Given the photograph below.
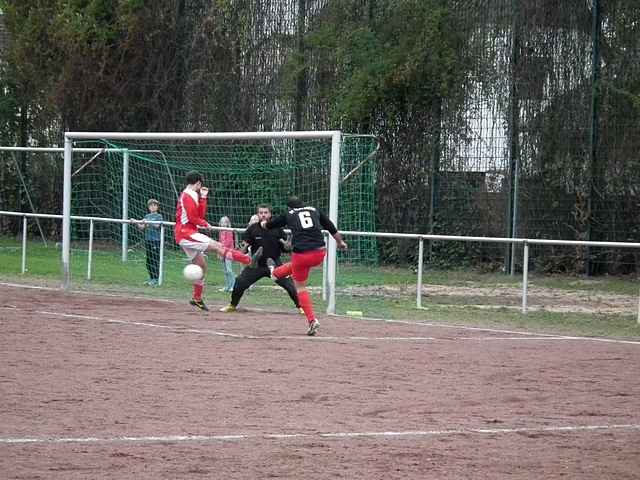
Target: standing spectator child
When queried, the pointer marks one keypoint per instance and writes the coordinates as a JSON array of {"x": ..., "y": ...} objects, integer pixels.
[
  {"x": 227, "y": 239},
  {"x": 152, "y": 240}
]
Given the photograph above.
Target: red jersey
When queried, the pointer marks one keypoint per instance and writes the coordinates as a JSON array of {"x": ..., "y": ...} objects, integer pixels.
[{"x": 190, "y": 213}]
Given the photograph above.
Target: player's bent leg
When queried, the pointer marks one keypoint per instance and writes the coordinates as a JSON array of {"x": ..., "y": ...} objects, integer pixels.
[
  {"x": 247, "y": 277},
  {"x": 198, "y": 286},
  {"x": 302, "y": 265},
  {"x": 307, "y": 306},
  {"x": 194, "y": 247},
  {"x": 229, "y": 308},
  {"x": 281, "y": 271},
  {"x": 235, "y": 255},
  {"x": 314, "y": 326},
  {"x": 304, "y": 299},
  {"x": 287, "y": 284},
  {"x": 201, "y": 261},
  {"x": 255, "y": 257},
  {"x": 271, "y": 265}
]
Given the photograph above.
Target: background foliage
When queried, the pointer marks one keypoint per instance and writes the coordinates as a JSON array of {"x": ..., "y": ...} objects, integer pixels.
[{"x": 495, "y": 117}]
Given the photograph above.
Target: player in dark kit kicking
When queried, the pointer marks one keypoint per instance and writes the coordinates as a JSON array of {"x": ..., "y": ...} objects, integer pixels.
[
  {"x": 272, "y": 242},
  {"x": 306, "y": 223}
]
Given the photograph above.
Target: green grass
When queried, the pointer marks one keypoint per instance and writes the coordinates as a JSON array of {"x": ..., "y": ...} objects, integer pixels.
[{"x": 112, "y": 275}]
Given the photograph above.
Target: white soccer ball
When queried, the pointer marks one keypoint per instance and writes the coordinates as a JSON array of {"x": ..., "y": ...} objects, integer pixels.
[{"x": 192, "y": 273}]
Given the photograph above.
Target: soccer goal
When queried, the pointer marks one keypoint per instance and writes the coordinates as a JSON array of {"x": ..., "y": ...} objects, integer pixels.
[{"x": 328, "y": 169}]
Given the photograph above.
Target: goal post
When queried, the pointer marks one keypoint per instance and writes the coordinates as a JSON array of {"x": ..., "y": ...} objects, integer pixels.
[{"x": 250, "y": 168}]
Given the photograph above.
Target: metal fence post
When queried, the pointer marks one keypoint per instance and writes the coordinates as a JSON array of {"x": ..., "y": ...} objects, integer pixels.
[
  {"x": 161, "y": 266},
  {"x": 596, "y": 172},
  {"x": 324, "y": 270},
  {"x": 525, "y": 276},
  {"x": 24, "y": 244},
  {"x": 334, "y": 190},
  {"x": 90, "y": 255},
  {"x": 125, "y": 204},
  {"x": 66, "y": 213},
  {"x": 420, "y": 259},
  {"x": 513, "y": 133}
]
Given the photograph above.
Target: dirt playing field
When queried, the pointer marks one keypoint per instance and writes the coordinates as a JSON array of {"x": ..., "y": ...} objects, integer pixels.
[{"x": 124, "y": 388}]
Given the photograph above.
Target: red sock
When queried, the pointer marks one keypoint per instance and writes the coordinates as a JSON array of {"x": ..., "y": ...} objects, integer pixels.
[
  {"x": 305, "y": 302},
  {"x": 283, "y": 270},
  {"x": 237, "y": 256},
  {"x": 197, "y": 290}
]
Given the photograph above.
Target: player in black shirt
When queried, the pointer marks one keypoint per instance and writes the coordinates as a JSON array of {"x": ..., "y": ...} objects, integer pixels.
[
  {"x": 306, "y": 223},
  {"x": 273, "y": 242}
]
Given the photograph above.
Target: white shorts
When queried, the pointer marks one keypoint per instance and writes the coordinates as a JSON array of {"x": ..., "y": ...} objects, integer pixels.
[{"x": 197, "y": 244}]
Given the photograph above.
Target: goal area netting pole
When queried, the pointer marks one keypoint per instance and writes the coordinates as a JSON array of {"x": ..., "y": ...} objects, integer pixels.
[{"x": 251, "y": 168}]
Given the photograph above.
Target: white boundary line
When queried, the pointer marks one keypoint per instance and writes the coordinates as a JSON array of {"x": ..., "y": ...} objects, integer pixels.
[
  {"x": 318, "y": 435},
  {"x": 532, "y": 335},
  {"x": 455, "y": 327},
  {"x": 549, "y": 336},
  {"x": 185, "y": 329},
  {"x": 83, "y": 292},
  {"x": 146, "y": 324}
]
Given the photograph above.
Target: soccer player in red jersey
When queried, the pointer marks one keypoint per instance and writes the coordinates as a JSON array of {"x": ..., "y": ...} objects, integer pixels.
[
  {"x": 306, "y": 223},
  {"x": 191, "y": 211}
]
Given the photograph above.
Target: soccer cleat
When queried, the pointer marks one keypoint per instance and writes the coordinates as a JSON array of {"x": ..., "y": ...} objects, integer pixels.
[
  {"x": 199, "y": 304},
  {"x": 229, "y": 308},
  {"x": 271, "y": 265},
  {"x": 255, "y": 257},
  {"x": 301, "y": 310},
  {"x": 313, "y": 328}
]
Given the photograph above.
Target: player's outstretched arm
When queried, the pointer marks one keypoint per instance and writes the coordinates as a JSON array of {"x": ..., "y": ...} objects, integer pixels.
[
  {"x": 328, "y": 225},
  {"x": 277, "y": 222},
  {"x": 342, "y": 245},
  {"x": 285, "y": 245},
  {"x": 195, "y": 212}
]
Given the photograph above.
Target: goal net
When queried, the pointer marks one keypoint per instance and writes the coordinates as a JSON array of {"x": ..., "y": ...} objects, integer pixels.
[{"x": 241, "y": 173}]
